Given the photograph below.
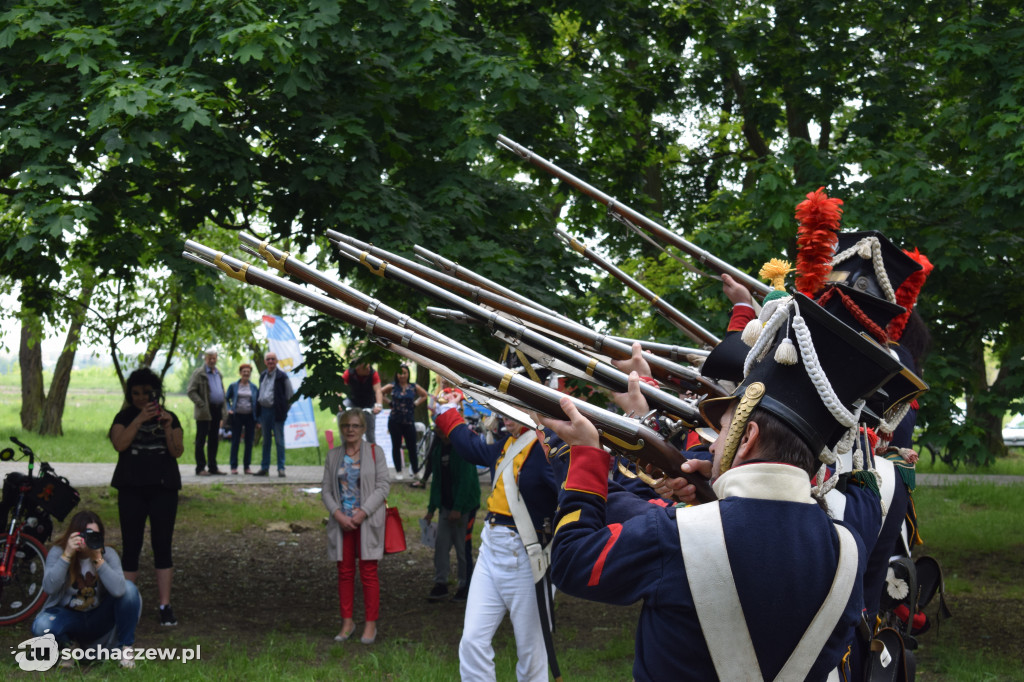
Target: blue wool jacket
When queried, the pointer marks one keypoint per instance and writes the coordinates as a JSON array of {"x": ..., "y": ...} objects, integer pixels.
[
  {"x": 536, "y": 479},
  {"x": 783, "y": 555}
]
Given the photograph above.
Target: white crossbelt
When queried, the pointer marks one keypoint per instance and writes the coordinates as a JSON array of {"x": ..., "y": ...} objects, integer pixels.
[
  {"x": 702, "y": 541},
  {"x": 539, "y": 555}
]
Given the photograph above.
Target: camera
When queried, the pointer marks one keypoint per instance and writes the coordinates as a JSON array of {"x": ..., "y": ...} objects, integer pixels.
[{"x": 93, "y": 539}]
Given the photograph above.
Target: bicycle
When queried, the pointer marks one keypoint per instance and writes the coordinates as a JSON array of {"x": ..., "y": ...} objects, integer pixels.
[{"x": 30, "y": 502}]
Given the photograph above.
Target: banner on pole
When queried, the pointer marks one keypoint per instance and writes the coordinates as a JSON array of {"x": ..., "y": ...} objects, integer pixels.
[{"x": 300, "y": 426}]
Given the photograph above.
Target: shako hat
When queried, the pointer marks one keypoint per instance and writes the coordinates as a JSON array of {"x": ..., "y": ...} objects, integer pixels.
[
  {"x": 725, "y": 361},
  {"x": 811, "y": 371},
  {"x": 872, "y": 316},
  {"x": 869, "y": 262}
]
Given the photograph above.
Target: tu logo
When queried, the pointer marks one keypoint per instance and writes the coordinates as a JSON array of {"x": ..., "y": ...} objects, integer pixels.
[{"x": 38, "y": 654}]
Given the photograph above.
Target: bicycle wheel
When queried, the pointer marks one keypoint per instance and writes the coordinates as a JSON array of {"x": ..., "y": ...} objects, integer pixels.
[{"x": 22, "y": 594}]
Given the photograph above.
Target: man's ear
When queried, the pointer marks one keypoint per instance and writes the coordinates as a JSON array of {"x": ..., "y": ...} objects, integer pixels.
[{"x": 749, "y": 444}]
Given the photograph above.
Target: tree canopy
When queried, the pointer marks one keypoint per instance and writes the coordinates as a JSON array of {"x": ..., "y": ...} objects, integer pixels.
[{"x": 128, "y": 126}]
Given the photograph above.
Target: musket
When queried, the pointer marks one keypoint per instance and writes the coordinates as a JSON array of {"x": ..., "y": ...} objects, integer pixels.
[
  {"x": 285, "y": 262},
  {"x": 631, "y": 218},
  {"x": 665, "y": 350},
  {"x": 549, "y": 352},
  {"x": 670, "y": 373},
  {"x": 685, "y": 324},
  {"x": 452, "y": 268},
  {"x": 630, "y": 438}
]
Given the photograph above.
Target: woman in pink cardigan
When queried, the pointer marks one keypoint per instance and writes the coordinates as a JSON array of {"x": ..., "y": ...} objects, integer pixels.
[{"x": 354, "y": 491}]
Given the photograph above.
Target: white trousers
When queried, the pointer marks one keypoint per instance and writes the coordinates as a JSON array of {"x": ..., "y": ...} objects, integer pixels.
[{"x": 502, "y": 583}]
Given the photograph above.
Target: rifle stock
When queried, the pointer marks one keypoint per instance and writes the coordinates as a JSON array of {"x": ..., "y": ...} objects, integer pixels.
[
  {"x": 628, "y": 437},
  {"x": 628, "y": 214}
]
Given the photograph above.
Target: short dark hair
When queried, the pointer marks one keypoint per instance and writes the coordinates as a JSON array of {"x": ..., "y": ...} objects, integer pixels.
[
  {"x": 780, "y": 443},
  {"x": 143, "y": 376}
]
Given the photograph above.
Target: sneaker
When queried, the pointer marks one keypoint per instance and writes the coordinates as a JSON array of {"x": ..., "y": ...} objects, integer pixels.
[
  {"x": 262, "y": 472},
  {"x": 167, "y": 616},
  {"x": 280, "y": 473},
  {"x": 439, "y": 592},
  {"x": 461, "y": 594},
  {"x": 127, "y": 657}
]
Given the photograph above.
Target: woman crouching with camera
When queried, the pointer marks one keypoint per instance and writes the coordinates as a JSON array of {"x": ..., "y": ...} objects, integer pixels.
[{"x": 87, "y": 594}]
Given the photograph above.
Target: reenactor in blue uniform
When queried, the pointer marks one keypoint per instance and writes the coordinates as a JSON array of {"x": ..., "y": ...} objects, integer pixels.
[{"x": 739, "y": 587}]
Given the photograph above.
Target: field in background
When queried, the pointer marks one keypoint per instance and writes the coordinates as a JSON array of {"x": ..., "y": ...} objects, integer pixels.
[{"x": 94, "y": 397}]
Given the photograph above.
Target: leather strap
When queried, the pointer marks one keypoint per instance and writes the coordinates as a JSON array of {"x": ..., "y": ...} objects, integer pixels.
[
  {"x": 539, "y": 555},
  {"x": 702, "y": 540},
  {"x": 706, "y": 558}
]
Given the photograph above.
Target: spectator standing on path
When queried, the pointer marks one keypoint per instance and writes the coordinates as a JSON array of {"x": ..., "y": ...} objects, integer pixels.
[
  {"x": 206, "y": 391},
  {"x": 364, "y": 384},
  {"x": 149, "y": 441},
  {"x": 241, "y": 401},
  {"x": 275, "y": 395}
]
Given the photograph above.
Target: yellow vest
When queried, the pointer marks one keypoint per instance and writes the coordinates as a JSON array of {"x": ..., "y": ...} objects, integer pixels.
[{"x": 497, "y": 502}]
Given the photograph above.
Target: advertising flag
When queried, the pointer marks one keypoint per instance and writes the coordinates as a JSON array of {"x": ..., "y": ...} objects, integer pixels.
[{"x": 300, "y": 426}]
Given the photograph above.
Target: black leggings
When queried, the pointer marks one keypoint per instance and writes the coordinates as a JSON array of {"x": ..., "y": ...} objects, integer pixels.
[
  {"x": 133, "y": 506},
  {"x": 399, "y": 430}
]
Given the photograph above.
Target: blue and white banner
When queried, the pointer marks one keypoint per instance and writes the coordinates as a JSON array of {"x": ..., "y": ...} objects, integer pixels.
[{"x": 300, "y": 426}]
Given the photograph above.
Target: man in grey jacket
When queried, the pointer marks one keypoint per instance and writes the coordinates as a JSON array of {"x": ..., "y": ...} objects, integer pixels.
[{"x": 206, "y": 391}]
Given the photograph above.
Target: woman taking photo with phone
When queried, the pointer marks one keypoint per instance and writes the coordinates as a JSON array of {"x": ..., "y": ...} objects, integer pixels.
[
  {"x": 149, "y": 441},
  {"x": 87, "y": 594}
]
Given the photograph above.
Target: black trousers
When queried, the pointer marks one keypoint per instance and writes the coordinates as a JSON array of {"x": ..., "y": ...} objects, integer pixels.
[
  {"x": 398, "y": 431},
  {"x": 134, "y": 506},
  {"x": 207, "y": 438}
]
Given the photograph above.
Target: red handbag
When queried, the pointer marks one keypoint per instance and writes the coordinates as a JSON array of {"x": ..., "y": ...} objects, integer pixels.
[{"x": 394, "y": 533}]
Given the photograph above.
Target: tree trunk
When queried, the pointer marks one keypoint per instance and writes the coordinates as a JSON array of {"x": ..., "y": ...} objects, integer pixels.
[
  {"x": 30, "y": 359},
  {"x": 53, "y": 405},
  {"x": 30, "y": 355}
]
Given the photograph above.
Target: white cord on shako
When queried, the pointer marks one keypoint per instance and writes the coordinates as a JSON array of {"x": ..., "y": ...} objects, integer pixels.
[
  {"x": 821, "y": 384},
  {"x": 869, "y": 247}
]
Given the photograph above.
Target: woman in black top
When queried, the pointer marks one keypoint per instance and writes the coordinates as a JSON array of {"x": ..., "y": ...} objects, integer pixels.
[{"x": 149, "y": 441}]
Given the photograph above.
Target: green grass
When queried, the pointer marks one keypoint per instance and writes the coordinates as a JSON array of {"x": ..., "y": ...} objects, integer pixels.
[
  {"x": 965, "y": 526},
  {"x": 280, "y": 656}
]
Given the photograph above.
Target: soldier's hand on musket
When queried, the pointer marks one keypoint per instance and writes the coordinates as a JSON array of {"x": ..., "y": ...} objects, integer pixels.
[
  {"x": 734, "y": 291},
  {"x": 632, "y": 401},
  {"x": 680, "y": 489},
  {"x": 577, "y": 431},
  {"x": 636, "y": 362}
]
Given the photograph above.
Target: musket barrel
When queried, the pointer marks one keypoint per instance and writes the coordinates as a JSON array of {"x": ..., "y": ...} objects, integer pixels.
[
  {"x": 665, "y": 350},
  {"x": 681, "y": 321},
  {"x": 664, "y": 370},
  {"x": 466, "y": 275},
  {"x": 543, "y": 399},
  {"x": 518, "y": 334},
  {"x": 663, "y": 233},
  {"x": 285, "y": 262}
]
